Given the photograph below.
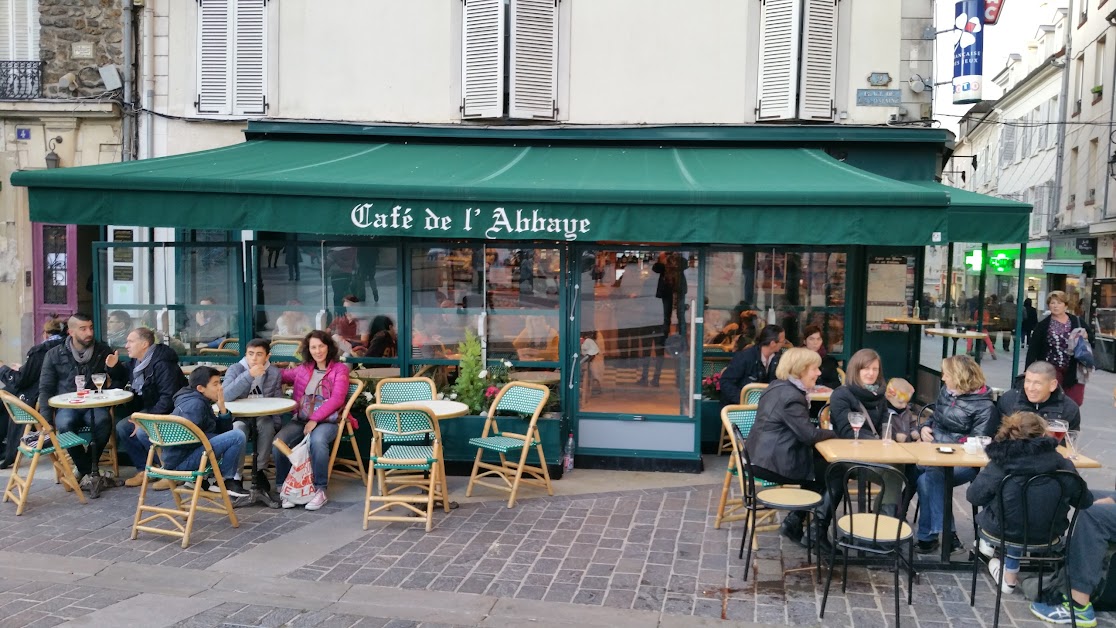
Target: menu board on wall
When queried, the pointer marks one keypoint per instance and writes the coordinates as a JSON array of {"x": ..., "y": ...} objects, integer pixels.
[{"x": 888, "y": 288}]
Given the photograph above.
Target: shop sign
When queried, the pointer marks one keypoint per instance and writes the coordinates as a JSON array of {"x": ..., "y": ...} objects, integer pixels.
[
  {"x": 498, "y": 223},
  {"x": 968, "y": 51},
  {"x": 1086, "y": 246},
  {"x": 1084, "y": 249}
]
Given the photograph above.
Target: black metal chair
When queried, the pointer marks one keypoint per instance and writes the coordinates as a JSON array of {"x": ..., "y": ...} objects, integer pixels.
[
  {"x": 871, "y": 531},
  {"x": 1044, "y": 542},
  {"x": 778, "y": 498}
]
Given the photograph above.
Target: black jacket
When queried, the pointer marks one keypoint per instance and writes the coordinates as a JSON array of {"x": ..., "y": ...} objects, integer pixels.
[
  {"x": 746, "y": 367},
  {"x": 1026, "y": 458},
  {"x": 848, "y": 399},
  {"x": 829, "y": 375},
  {"x": 60, "y": 368},
  {"x": 970, "y": 414},
  {"x": 24, "y": 381},
  {"x": 1057, "y": 406},
  {"x": 1040, "y": 345},
  {"x": 782, "y": 438},
  {"x": 162, "y": 379}
]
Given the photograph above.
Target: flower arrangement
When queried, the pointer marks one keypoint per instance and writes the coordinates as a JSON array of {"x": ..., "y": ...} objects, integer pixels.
[
  {"x": 476, "y": 385},
  {"x": 711, "y": 387}
]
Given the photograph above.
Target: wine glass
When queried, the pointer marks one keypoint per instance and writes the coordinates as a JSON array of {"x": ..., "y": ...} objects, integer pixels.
[
  {"x": 1071, "y": 443},
  {"x": 99, "y": 381},
  {"x": 1058, "y": 429},
  {"x": 856, "y": 420}
]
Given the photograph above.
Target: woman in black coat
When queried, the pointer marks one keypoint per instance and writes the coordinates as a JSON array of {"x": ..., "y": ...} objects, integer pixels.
[
  {"x": 863, "y": 392},
  {"x": 781, "y": 443},
  {"x": 23, "y": 382},
  {"x": 1022, "y": 448}
]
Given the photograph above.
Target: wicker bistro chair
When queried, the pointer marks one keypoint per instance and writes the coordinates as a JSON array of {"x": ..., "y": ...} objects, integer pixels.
[
  {"x": 731, "y": 508},
  {"x": 171, "y": 431},
  {"x": 228, "y": 346},
  {"x": 422, "y": 462},
  {"x": 771, "y": 500},
  {"x": 284, "y": 351},
  {"x": 1051, "y": 549},
  {"x": 49, "y": 443},
  {"x": 339, "y": 461},
  {"x": 870, "y": 531},
  {"x": 395, "y": 390},
  {"x": 525, "y": 399},
  {"x": 749, "y": 396}
]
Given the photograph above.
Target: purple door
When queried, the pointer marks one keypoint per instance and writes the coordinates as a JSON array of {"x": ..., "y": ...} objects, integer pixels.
[{"x": 54, "y": 271}]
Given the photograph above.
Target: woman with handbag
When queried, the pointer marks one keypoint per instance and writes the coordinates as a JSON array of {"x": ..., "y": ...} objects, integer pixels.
[
  {"x": 1050, "y": 342},
  {"x": 320, "y": 386}
]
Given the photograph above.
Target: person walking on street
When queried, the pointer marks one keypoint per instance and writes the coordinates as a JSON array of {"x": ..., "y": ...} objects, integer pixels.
[{"x": 1050, "y": 342}]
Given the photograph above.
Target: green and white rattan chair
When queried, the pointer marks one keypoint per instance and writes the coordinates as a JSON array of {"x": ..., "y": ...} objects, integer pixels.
[
  {"x": 284, "y": 351},
  {"x": 339, "y": 462},
  {"x": 749, "y": 396},
  {"x": 50, "y": 443},
  {"x": 394, "y": 390},
  {"x": 172, "y": 431},
  {"x": 421, "y": 463},
  {"x": 731, "y": 506},
  {"x": 527, "y": 400}
]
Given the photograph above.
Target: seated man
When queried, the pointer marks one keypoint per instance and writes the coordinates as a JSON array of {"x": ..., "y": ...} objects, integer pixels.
[
  {"x": 255, "y": 376},
  {"x": 80, "y": 355},
  {"x": 756, "y": 364},
  {"x": 1042, "y": 395},
  {"x": 153, "y": 376},
  {"x": 208, "y": 327},
  {"x": 195, "y": 402},
  {"x": 23, "y": 382},
  {"x": 1096, "y": 529},
  {"x": 117, "y": 327}
]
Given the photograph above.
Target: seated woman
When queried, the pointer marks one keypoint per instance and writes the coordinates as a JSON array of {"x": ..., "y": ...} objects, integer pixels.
[
  {"x": 537, "y": 341},
  {"x": 293, "y": 322},
  {"x": 1021, "y": 447},
  {"x": 349, "y": 331},
  {"x": 814, "y": 341},
  {"x": 781, "y": 444},
  {"x": 383, "y": 343},
  {"x": 964, "y": 408},
  {"x": 321, "y": 387},
  {"x": 863, "y": 392}
]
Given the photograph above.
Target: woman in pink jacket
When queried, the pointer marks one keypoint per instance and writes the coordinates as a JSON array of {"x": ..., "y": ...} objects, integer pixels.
[{"x": 320, "y": 386}]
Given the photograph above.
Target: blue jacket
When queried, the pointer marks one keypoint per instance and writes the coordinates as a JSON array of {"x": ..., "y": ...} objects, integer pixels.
[{"x": 192, "y": 405}]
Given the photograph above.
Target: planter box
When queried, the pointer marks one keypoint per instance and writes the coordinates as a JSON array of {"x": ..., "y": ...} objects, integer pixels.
[{"x": 710, "y": 428}]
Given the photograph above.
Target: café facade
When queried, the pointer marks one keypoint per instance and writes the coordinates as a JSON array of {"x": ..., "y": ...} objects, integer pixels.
[{"x": 605, "y": 261}]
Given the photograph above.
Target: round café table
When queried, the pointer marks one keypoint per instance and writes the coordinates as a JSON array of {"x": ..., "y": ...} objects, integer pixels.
[
  {"x": 259, "y": 406},
  {"x": 190, "y": 368},
  {"x": 104, "y": 399},
  {"x": 440, "y": 409}
]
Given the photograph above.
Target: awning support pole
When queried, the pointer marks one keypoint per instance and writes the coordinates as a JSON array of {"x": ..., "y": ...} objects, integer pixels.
[
  {"x": 947, "y": 319},
  {"x": 980, "y": 299},
  {"x": 1017, "y": 342}
]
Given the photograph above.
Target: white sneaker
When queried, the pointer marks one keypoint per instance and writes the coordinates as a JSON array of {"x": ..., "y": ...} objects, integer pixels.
[
  {"x": 317, "y": 501},
  {"x": 288, "y": 504},
  {"x": 994, "y": 567},
  {"x": 986, "y": 548}
]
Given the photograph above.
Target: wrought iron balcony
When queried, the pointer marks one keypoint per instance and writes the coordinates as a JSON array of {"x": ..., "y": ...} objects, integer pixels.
[{"x": 21, "y": 80}]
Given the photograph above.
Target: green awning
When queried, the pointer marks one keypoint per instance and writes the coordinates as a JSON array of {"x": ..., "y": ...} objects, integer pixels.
[
  {"x": 981, "y": 218},
  {"x": 644, "y": 193}
]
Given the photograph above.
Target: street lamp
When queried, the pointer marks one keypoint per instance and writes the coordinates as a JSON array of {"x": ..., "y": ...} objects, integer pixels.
[{"x": 52, "y": 159}]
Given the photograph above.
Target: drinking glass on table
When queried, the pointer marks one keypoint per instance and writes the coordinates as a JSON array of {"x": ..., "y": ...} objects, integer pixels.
[
  {"x": 1071, "y": 443},
  {"x": 856, "y": 421},
  {"x": 1058, "y": 429},
  {"x": 79, "y": 382},
  {"x": 99, "y": 381}
]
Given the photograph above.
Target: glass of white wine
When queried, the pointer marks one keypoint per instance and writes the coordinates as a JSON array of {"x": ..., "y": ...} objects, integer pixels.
[{"x": 99, "y": 381}]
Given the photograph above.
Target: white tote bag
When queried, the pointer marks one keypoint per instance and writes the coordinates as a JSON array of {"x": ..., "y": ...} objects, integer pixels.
[{"x": 298, "y": 488}]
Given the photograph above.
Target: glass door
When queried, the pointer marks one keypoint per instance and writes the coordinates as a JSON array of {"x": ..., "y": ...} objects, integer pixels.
[{"x": 633, "y": 311}]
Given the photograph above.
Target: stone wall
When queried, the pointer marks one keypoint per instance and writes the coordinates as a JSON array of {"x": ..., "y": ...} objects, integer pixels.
[{"x": 68, "y": 22}]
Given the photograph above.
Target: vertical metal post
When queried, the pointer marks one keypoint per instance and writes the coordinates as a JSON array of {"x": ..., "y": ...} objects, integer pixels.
[
  {"x": 980, "y": 298},
  {"x": 947, "y": 319},
  {"x": 1017, "y": 342}
]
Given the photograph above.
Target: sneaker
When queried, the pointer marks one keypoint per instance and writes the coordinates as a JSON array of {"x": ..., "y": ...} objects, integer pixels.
[
  {"x": 134, "y": 481},
  {"x": 85, "y": 482},
  {"x": 927, "y": 547},
  {"x": 955, "y": 543},
  {"x": 233, "y": 487},
  {"x": 1060, "y": 614},
  {"x": 994, "y": 567},
  {"x": 261, "y": 484},
  {"x": 266, "y": 499},
  {"x": 984, "y": 547},
  {"x": 241, "y": 501},
  {"x": 287, "y": 505},
  {"x": 792, "y": 528},
  {"x": 317, "y": 501}
]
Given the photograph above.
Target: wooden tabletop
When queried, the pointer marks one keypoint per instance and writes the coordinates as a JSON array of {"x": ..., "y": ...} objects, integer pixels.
[
  {"x": 109, "y": 397},
  {"x": 189, "y": 368},
  {"x": 537, "y": 377},
  {"x": 953, "y": 333},
  {"x": 903, "y": 320},
  {"x": 836, "y": 449},
  {"x": 819, "y": 393},
  {"x": 440, "y": 408},
  {"x": 927, "y": 455},
  {"x": 259, "y": 406}
]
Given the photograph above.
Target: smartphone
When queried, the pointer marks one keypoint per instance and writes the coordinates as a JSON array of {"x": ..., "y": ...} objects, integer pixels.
[{"x": 945, "y": 450}]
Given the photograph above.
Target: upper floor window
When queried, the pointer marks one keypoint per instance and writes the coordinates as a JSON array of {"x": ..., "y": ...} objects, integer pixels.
[
  {"x": 19, "y": 30},
  {"x": 798, "y": 60},
  {"x": 509, "y": 59},
  {"x": 232, "y": 57}
]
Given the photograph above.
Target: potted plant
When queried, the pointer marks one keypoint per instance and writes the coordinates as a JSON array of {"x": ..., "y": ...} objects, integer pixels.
[
  {"x": 1097, "y": 89},
  {"x": 710, "y": 412}
]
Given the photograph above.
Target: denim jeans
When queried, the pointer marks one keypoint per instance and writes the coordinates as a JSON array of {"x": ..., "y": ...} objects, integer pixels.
[
  {"x": 931, "y": 487},
  {"x": 98, "y": 420},
  {"x": 321, "y": 446},
  {"x": 1096, "y": 528},
  {"x": 136, "y": 447},
  {"x": 228, "y": 447}
]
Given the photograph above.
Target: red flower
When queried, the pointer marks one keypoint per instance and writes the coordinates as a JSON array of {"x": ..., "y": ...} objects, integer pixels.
[{"x": 491, "y": 391}]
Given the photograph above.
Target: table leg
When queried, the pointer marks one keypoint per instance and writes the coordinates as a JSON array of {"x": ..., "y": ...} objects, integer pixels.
[
  {"x": 954, "y": 347},
  {"x": 947, "y": 513}
]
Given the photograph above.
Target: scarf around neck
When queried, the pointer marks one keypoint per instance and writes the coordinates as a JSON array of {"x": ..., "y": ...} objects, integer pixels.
[
  {"x": 137, "y": 373},
  {"x": 82, "y": 356}
]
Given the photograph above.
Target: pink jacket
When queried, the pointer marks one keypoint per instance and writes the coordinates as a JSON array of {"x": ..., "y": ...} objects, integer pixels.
[{"x": 335, "y": 388}]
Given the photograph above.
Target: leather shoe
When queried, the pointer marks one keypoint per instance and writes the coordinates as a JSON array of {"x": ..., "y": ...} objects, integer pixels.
[{"x": 134, "y": 481}]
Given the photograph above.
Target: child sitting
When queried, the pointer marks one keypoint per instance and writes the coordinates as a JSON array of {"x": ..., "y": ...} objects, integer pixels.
[{"x": 898, "y": 394}]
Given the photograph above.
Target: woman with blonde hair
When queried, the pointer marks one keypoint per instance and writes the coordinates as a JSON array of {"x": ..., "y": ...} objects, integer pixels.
[
  {"x": 964, "y": 409},
  {"x": 781, "y": 444}
]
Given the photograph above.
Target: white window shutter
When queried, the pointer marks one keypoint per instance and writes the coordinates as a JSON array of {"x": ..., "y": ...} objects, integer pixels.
[
  {"x": 214, "y": 68},
  {"x": 778, "y": 70},
  {"x": 819, "y": 60},
  {"x": 534, "y": 59},
  {"x": 1025, "y": 135},
  {"x": 19, "y": 30},
  {"x": 1040, "y": 116},
  {"x": 1007, "y": 144},
  {"x": 249, "y": 58},
  {"x": 482, "y": 59},
  {"x": 6, "y": 29}
]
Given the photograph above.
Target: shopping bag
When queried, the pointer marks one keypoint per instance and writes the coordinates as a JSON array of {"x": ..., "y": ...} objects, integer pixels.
[{"x": 298, "y": 488}]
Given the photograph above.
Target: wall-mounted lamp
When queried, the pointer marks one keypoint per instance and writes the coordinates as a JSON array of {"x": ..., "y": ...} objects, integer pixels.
[{"x": 52, "y": 158}]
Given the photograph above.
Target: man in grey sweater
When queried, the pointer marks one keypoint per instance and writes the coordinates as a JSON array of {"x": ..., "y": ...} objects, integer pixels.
[{"x": 255, "y": 376}]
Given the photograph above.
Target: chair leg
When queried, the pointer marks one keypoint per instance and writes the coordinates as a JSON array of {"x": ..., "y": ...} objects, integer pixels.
[
  {"x": 356, "y": 450},
  {"x": 12, "y": 478},
  {"x": 542, "y": 465},
  {"x": 896, "y": 585},
  {"x": 139, "y": 505},
  {"x": 750, "y": 531},
  {"x": 193, "y": 510},
  {"x": 999, "y": 595},
  {"x": 910, "y": 570},
  {"x": 829, "y": 577},
  {"x": 63, "y": 470},
  {"x": 976, "y": 565},
  {"x": 519, "y": 475},
  {"x": 473, "y": 475},
  {"x": 724, "y": 497},
  {"x": 368, "y": 493},
  {"x": 24, "y": 483},
  {"x": 430, "y": 491},
  {"x": 809, "y": 541},
  {"x": 844, "y": 571},
  {"x": 744, "y": 536}
]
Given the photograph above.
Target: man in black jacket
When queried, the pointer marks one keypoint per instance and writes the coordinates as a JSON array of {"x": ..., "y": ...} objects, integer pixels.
[
  {"x": 154, "y": 377},
  {"x": 755, "y": 364},
  {"x": 1041, "y": 394},
  {"x": 79, "y": 355},
  {"x": 23, "y": 381}
]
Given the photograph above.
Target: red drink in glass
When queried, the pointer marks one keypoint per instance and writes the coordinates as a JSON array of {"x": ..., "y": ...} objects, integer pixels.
[{"x": 1058, "y": 432}]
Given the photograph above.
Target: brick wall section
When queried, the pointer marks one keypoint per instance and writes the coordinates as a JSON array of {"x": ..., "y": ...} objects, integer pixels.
[{"x": 65, "y": 22}]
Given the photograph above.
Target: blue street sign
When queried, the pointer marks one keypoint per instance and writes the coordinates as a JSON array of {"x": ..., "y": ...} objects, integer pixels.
[
  {"x": 23, "y": 134},
  {"x": 968, "y": 51}
]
